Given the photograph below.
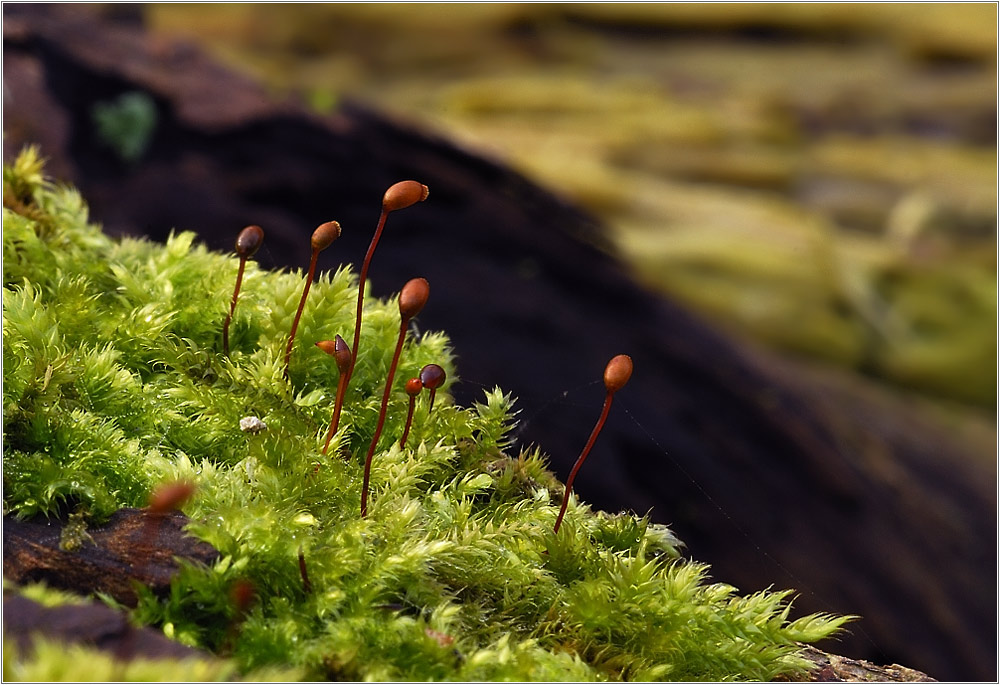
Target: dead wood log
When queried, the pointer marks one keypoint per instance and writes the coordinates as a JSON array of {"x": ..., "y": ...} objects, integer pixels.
[
  {"x": 134, "y": 546},
  {"x": 90, "y": 624},
  {"x": 831, "y": 668}
]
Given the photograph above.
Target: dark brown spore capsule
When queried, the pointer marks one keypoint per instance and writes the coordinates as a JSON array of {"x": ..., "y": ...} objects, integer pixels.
[
  {"x": 249, "y": 241},
  {"x": 342, "y": 353},
  {"x": 432, "y": 376}
]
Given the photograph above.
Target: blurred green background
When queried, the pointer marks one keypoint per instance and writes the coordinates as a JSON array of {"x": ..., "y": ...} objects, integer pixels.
[{"x": 818, "y": 178}]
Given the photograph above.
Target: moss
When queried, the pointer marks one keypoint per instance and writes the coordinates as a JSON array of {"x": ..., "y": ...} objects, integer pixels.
[
  {"x": 51, "y": 661},
  {"x": 115, "y": 381}
]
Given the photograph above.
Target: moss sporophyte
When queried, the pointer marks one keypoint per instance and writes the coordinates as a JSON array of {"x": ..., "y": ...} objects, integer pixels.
[
  {"x": 247, "y": 243},
  {"x": 115, "y": 383}
]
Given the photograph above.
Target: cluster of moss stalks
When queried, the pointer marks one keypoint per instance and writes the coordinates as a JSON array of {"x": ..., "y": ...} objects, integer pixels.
[{"x": 115, "y": 381}]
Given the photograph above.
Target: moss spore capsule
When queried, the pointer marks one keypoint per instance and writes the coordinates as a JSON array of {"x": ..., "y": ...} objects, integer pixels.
[
  {"x": 432, "y": 377},
  {"x": 404, "y": 194},
  {"x": 616, "y": 375},
  {"x": 617, "y": 372},
  {"x": 247, "y": 243},
  {"x": 342, "y": 353},
  {"x": 413, "y": 388},
  {"x": 321, "y": 239},
  {"x": 398, "y": 196},
  {"x": 168, "y": 497},
  {"x": 338, "y": 349},
  {"x": 412, "y": 299},
  {"x": 324, "y": 235},
  {"x": 328, "y": 346}
]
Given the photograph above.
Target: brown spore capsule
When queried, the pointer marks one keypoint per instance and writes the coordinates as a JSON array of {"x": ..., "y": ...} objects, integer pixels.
[
  {"x": 413, "y": 388},
  {"x": 616, "y": 375},
  {"x": 242, "y": 595},
  {"x": 413, "y": 297},
  {"x": 328, "y": 346},
  {"x": 342, "y": 353},
  {"x": 339, "y": 350},
  {"x": 167, "y": 497},
  {"x": 247, "y": 243},
  {"x": 617, "y": 372},
  {"x": 432, "y": 376},
  {"x": 324, "y": 234},
  {"x": 398, "y": 196},
  {"x": 404, "y": 194}
]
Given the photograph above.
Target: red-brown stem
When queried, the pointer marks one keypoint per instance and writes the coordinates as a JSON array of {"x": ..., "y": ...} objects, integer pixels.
[
  {"x": 583, "y": 455},
  {"x": 430, "y": 402},
  {"x": 381, "y": 414},
  {"x": 306, "y": 584},
  {"x": 337, "y": 406},
  {"x": 409, "y": 420},
  {"x": 302, "y": 305},
  {"x": 361, "y": 289},
  {"x": 232, "y": 306}
]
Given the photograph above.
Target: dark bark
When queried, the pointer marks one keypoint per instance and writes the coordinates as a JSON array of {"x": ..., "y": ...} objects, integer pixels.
[
  {"x": 830, "y": 668},
  {"x": 765, "y": 471},
  {"x": 134, "y": 546},
  {"x": 91, "y": 624}
]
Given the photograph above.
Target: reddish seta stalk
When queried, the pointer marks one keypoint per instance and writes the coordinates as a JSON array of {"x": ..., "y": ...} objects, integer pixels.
[
  {"x": 307, "y": 585},
  {"x": 247, "y": 243},
  {"x": 432, "y": 377},
  {"x": 616, "y": 375},
  {"x": 412, "y": 299},
  {"x": 339, "y": 350},
  {"x": 321, "y": 239},
  {"x": 399, "y": 196},
  {"x": 413, "y": 388}
]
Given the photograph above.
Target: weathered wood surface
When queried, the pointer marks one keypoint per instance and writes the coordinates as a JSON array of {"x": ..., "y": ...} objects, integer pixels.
[
  {"x": 91, "y": 624},
  {"x": 831, "y": 668},
  {"x": 766, "y": 472},
  {"x": 134, "y": 546}
]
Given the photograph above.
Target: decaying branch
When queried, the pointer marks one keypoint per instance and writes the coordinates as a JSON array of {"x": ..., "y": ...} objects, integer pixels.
[{"x": 134, "y": 546}]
